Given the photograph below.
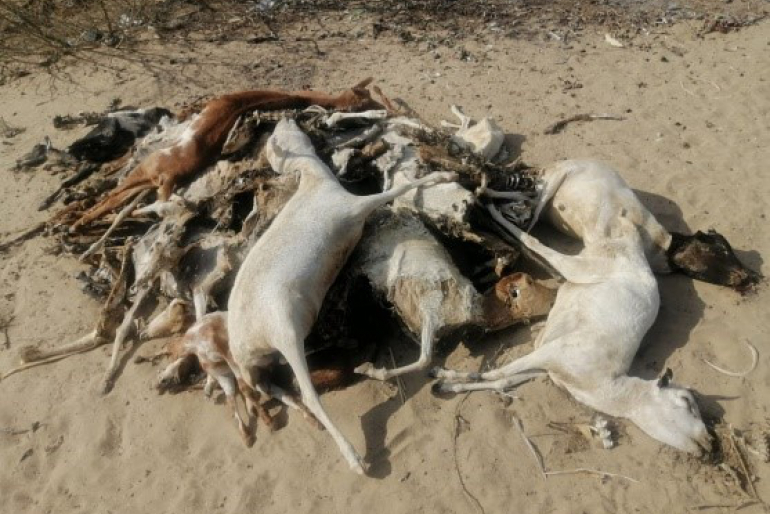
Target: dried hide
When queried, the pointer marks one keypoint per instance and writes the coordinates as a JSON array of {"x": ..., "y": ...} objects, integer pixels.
[
  {"x": 116, "y": 133},
  {"x": 407, "y": 265}
]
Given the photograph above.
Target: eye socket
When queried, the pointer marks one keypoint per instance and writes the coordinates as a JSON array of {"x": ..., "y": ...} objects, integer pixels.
[{"x": 687, "y": 402}]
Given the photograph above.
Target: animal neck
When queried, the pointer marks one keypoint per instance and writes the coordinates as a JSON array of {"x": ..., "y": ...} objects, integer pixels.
[
  {"x": 622, "y": 396},
  {"x": 220, "y": 114}
]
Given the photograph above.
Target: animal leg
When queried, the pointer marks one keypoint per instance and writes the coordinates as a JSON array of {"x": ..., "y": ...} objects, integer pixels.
[
  {"x": 290, "y": 401},
  {"x": 209, "y": 386},
  {"x": 253, "y": 405},
  {"x": 575, "y": 269},
  {"x": 114, "y": 200},
  {"x": 368, "y": 204},
  {"x": 121, "y": 334},
  {"x": 495, "y": 385},
  {"x": 426, "y": 351},
  {"x": 124, "y": 213},
  {"x": 229, "y": 387},
  {"x": 170, "y": 375},
  {"x": 536, "y": 361},
  {"x": 293, "y": 353}
]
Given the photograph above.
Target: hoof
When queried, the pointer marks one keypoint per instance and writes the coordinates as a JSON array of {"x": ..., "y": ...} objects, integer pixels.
[
  {"x": 437, "y": 389},
  {"x": 249, "y": 440},
  {"x": 359, "y": 468},
  {"x": 435, "y": 372}
]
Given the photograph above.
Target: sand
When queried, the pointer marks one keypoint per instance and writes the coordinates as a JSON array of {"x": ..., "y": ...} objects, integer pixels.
[{"x": 694, "y": 143}]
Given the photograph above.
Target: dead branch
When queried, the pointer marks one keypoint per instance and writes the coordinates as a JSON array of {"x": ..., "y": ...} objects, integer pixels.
[
  {"x": 591, "y": 472},
  {"x": 561, "y": 125},
  {"x": 127, "y": 210},
  {"x": 27, "y": 234},
  {"x": 530, "y": 445},
  {"x": 742, "y": 462}
]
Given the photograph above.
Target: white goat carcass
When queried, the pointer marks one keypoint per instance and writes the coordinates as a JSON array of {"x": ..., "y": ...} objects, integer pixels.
[
  {"x": 601, "y": 314},
  {"x": 280, "y": 287},
  {"x": 579, "y": 197}
]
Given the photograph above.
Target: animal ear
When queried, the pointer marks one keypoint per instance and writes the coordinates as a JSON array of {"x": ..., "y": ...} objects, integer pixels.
[
  {"x": 363, "y": 83},
  {"x": 665, "y": 378}
]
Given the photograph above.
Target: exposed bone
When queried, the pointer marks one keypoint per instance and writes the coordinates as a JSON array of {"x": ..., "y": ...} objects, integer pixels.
[
  {"x": 111, "y": 312},
  {"x": 752, "y": 366},
  {"x": 337, "y": 118},
  {"x": 124, "y": 213}
]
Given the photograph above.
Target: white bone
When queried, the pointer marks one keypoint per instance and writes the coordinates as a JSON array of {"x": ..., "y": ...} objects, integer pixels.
[{"x": 335, "y": 119}]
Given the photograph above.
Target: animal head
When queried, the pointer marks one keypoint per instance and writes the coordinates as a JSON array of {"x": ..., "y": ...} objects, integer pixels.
[
  {"x": 524, "y": 297},
  {"x": 239, "y": 136},
  {"x": 670, "y": 414},
  {"x": 358, "y": 98},
  {"x": 709, "y": 257}
]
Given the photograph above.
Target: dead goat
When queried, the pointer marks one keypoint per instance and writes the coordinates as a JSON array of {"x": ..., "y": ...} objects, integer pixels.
[
  {"x": 592, "y": 334},
  {"x": 207, "y": 341},
  {"x": 115, "y": 133},
  {"x": 408, "y": 266},
  {"x": 201, "y": 144},
  {"x": 281, "y": 285},
  {"x": 573, "y": 198}
]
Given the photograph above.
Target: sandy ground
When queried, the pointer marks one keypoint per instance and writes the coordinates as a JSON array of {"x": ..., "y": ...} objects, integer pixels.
[{"x": 694, "y": 143}]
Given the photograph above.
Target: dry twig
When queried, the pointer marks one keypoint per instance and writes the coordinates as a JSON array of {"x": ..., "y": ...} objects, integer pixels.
[
  {"x": 560, "y": 125},
  {"x": 530, "y": 445},
  {"x": 458, "y": 423},
  {"x": 591, "y": 472},
  {"x": 742, "y": 462}
]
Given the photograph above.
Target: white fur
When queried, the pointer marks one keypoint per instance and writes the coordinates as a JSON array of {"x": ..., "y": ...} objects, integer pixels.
[
  {"x": 280, "y": 287},
  {"x": 594, "y": 329},
  {"x": 579, "y": 197}
]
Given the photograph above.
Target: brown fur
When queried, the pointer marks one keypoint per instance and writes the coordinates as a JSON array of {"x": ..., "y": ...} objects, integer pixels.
[
  {"x": 164, "y": 169},
  {"x": 516, "y": 298}
]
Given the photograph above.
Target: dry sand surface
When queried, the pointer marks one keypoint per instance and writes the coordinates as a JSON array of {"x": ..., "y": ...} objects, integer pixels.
[{"x": 695, "y": 143}]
